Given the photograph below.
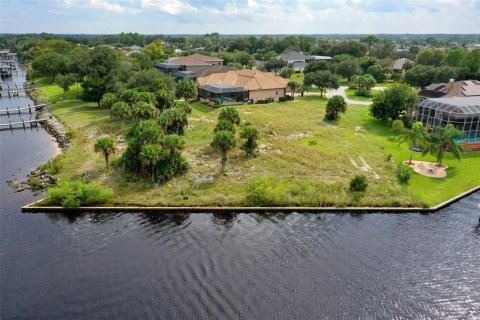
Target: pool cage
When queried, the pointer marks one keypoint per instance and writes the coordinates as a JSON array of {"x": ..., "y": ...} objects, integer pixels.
[{"x": 463, "y": 113}]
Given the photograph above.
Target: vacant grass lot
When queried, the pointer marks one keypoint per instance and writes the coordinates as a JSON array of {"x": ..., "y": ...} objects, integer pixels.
[
  {"x": 302, "y": 161},
  {"x": 352, "y": 94}
]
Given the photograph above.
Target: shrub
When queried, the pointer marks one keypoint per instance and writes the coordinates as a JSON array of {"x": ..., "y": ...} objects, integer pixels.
[
  {"x": 398, "y": 126},
  {"x": 267, "y": 191},
  {"x": 389, "y": 157},
  {"x": 52, "y": 166},
  {"x": 77, "y": 193},
  {"x": 364, "y": 93},
  {"x": 403, "y": 175},
  {"x": 359, "y": 183}
]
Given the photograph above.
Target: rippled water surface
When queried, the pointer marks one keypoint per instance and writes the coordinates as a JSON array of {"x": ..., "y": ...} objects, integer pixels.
[{"x": 245, "y": 266}]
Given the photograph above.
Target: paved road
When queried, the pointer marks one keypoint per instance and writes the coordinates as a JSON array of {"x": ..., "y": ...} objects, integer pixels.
[{"x": 341, "y": 92}]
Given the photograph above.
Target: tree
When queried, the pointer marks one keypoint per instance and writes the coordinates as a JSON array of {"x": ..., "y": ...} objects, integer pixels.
[
  {"x": 150, "y": 156},
  {"x": 65, "y": 81},
  {"x": 108, "y": 100},
  {"x": 174, "y": 121},
  {"x": 229, "y": 114},
  {"x": 364, "y": 82},
  {"x": 173, "y": 143},
  {"x": 155, "y": 51},
  {"x": 105, "y": 145},
  {"x": 442, "y": 140},
  {"x": 286, "y": 73},
  {"x": 348, "y": 68},
  {"x": 120, "y": 110},
  {"x": 130, "y": 96},
  {"x": 251, "y": 134},
  {"x": 473, "y": 64},
  {"x": 101, "y": 61},
  {"x": 416, "y": 137},
  {"x": 420, "y": 76},
  {"x": 294, "y": 86},
  {"x": 378, "y": 72},
  {"x": 223, "y": 141},
  {"x": 315, "y": 66},
  {"x": 456, "y": 57},
  {"x": 395, "y": 102},
  {"x": 274, "y": 64},
  {"x": 224, "y": 125},
  {"x": 323, "y": 79},
  {"x": 335, "y": 106},
  {"x": 369, "y": 41},
  {"x": 93, "y": 89},
  {"x": 49, "y": 65},
  {"x": 164, "y": 100},
  {"x": 186, "y": 89},
  {"x": 144, "y": 110},
  {"x": 430, "y": 57},
  {"x": 445, "y": 73},
  {"x": 142, "y": 133}
]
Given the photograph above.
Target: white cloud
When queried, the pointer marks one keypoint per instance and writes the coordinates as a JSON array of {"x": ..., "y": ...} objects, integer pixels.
[
  {"x": 172, "y": 7},
  {"x": 98, "y": 4}
]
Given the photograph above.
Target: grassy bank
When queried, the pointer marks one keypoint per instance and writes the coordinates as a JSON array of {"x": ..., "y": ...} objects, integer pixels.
[
  {"x": 303, "y": 160},
  {"x": 352, "y": 94}
]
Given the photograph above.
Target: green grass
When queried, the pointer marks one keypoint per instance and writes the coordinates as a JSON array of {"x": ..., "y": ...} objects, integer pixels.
[
  {"x": 298, "y": 76},
  {"x": 386, "y": 83},
  {"x": 352, "y": 94},
  {"x": 311, "y": 160}
]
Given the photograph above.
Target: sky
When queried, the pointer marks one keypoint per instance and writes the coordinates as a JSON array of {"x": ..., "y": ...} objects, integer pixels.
[{"x": 240, "y": 16}]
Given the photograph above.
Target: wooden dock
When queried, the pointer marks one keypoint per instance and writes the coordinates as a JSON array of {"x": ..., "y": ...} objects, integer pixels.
[
  {"x": 19, "y": 110},
  {"x": 19, "y": 124}
]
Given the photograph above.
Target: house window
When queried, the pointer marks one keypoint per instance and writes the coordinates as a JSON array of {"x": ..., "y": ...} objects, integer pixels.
[{"x": 276, "y": 93}]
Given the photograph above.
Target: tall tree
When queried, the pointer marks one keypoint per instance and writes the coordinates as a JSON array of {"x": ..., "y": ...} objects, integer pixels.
[
  {"x": 416, "y": 137},
  {"x": 223, "y": 141},
  {"x": 155, "y": 51},
  {"x": 323, "y": 79},
  {"x": 150, "y": 156},
  {"x": 120, "y": 110},
  {"x": 229, "y": 114},
  {"x": 186, "y": 89},
  {"x": 251, "y": 134},
  {"x": 294, "y": 86},
  {"x": 398, "y": 101},
  {"x": 105, "y": 145},
  {"x": 348, "y": 68},
  {"x": 442, "y": 140}
]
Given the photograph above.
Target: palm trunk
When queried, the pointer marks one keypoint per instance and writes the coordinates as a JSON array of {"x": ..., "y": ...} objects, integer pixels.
[
  {"x": 411, "y": 156},
  {"x": 224, "y": 162},
  {"x": 106, "y": 158}
]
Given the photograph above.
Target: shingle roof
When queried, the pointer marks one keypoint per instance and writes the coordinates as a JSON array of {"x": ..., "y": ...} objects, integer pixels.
[
  {"x": 196, "y": 59},
  {"x": 293, "y": 56},
  {"x": 465, "y": 88},
  {"x": 249, "y": 79},
  {"x": 398, "y": 64}
]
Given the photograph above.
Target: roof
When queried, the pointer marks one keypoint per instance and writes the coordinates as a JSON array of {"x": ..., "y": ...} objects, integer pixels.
[
  {"x": 455, "y": 106},
  {"x": 465, "y": 88},
  {"x": 196, "y": 59},
  {"x": 248, "y": 79},
  {"x": 293, "y": 56},
  {"x": 222, "y": 88},
  {"x": 320, "y": 57},
  {"x": 203, "y": 71},
  {"x": 398, "y": 64}
]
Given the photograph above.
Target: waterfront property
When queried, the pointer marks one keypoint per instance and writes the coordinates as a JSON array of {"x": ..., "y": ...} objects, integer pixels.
[
  {"x": 242, "y": 85},
  {"x": 463, "y": 113}
]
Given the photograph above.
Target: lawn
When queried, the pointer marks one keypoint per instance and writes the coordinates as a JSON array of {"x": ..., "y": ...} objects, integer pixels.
[
  {"x": 304, "y": 160},
  {"x": 352, "y": 94}
]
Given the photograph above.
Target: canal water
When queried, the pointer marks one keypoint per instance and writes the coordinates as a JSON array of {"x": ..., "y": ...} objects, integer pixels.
[{"x": 245, "y": 266}]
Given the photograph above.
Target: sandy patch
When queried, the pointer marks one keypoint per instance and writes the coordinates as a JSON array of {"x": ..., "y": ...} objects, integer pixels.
[
  {"x": 299, "y": 135},
  {"x": 428, "y": 169}
]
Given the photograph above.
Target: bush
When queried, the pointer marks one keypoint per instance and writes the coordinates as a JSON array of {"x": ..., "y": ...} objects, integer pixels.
[
  {"x": 267, "y": 191},
  {"x": 403, "y": 175},
  {"x": 77, "y": 193},
  {"x": 359, "y": 183},
  {"x": 398, "y": 126},
  {"x": 364, "y": 93},
  {"x": 52, "y": 166}
]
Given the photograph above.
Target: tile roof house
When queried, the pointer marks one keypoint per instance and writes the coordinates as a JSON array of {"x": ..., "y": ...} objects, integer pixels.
[
  {"x": 464, "y": 88},
  {"x": 195, "y": 62},
  {"x": 242, "y": 85}
]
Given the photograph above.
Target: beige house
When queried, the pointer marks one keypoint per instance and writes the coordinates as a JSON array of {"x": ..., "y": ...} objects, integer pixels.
[{"x": 242, "y": 86}]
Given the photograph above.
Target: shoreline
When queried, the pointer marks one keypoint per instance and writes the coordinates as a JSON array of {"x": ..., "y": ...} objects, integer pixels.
[{"x": 32, "y": 208}]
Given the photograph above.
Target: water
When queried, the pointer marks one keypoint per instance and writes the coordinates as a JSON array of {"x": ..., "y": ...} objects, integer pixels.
[{"x": 245, "y": 266}]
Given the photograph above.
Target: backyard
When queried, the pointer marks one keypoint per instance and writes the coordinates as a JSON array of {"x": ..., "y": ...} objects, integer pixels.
[{"x": 303, "y": 160}]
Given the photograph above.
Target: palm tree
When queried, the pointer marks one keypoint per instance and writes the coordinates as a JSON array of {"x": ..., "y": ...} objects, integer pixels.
[
  {"x": 252, "y": 134},
  {"x": 106, "y": 145},
  {"x": 415, "y": 136},
  {"x": 150, "y": 156},
  {"x": 223, "y": 141},
  {"x": 120, "y": 110},
  {"x": 294, "y": 86},
  {"x": 173, "y": 143},
  {"x": 442, "y": 140}
]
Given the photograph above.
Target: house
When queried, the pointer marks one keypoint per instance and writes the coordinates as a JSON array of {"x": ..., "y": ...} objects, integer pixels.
[
  {"x": 241, "y": 86},
  {"x": 399, "y": 64},
  {"x": 195, "y": 62},
  {"x": 298, "y": 60},
  {"x": 464, "y": 88},
  {"x": 462, "y": 112},
  {"x": 202, "y": 72}
]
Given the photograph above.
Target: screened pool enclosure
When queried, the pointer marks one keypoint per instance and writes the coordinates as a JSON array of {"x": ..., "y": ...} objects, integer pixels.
[{"x": 463, "y": 113}]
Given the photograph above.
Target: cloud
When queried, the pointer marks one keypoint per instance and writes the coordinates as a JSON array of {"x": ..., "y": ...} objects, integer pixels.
[
  {"x": 98, "y": 4},
  {"x": 172, "y": 7}
]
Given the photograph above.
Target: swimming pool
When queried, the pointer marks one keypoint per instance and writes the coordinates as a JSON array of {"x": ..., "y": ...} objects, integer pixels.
[
  {"x": 469, "y": 138},
  {"x": 222, "y": 100}
]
